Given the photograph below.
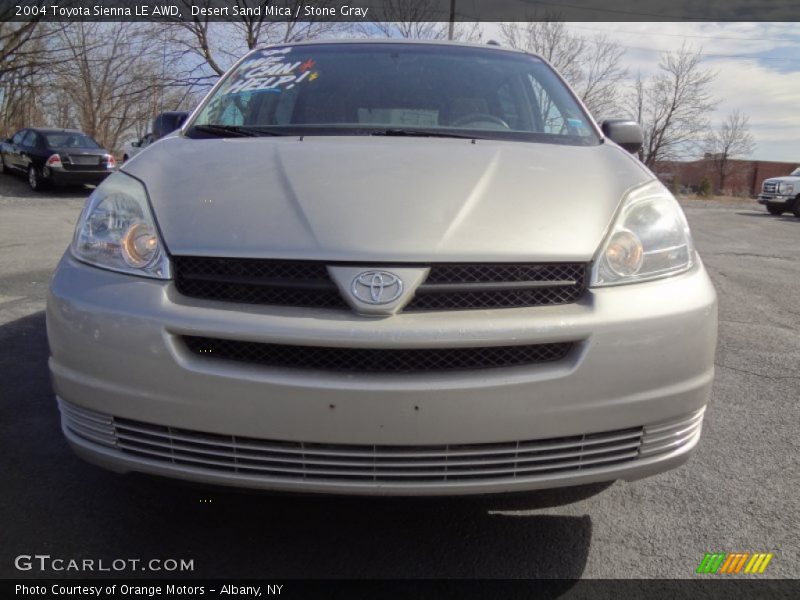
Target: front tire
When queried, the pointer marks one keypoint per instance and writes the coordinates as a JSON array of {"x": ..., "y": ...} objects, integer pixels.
[
  {"x": 796, "y": 210},
  {"x": 2, "y": 164},
  {"x": 35, "y": 180},
  {"x": 775, "y": 210}
]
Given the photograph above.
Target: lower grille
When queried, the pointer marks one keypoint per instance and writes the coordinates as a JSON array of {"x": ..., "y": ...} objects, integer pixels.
[
  {"x": 669, "y": 435},
  {"x": 275, "y": 459},
  {"x": 497, "y": 298},
  {"x": 375, "y": 360}
]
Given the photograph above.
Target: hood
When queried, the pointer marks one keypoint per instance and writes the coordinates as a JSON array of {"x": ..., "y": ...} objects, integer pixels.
[
  {"x": 783, "y": 179},
  {"x": 375, "y": 199}
]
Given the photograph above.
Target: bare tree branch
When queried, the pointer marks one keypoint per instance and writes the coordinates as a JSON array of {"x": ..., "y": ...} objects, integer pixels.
[
  {"x": 673, "y": 106},
  {"x": 592, "y": 66},
  {"x": 217, "y": 45},
  {"x": 416, "y": 19},
  {"x": 730, "y": 140},
  {"x": 115, "y": 81}
]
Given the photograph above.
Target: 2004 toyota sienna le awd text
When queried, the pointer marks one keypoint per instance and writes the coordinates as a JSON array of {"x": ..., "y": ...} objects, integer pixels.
[{"x": 384, "y": 268}]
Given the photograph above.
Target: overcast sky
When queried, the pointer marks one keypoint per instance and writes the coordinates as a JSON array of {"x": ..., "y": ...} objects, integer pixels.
[{"x": 758, "y": 67}]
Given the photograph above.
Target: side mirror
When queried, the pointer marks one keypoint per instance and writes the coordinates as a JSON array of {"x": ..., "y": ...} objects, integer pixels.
[
  {"x": 167, "y": 122},
  {"x": 8, "y": 141},
  {"x": 624, "y": 132}
]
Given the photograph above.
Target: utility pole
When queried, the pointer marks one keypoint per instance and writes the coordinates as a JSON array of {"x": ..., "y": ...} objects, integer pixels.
[{"x": 452, "y": 19}]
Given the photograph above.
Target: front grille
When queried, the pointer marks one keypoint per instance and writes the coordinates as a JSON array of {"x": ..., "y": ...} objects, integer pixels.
[
  {"x": 771, "y": 187},
  {"x": 447, "y": 287},
  {"x": 255, "y": 281},
  {"x": 448, "y": 274},
  {"x": 469, "y": 286},
  {"x": 419, "y": 464},
  {"x": 375, "y": 360}
]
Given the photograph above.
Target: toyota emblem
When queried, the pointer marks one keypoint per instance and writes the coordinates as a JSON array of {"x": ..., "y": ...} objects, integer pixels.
[{"x": 377, "y": 287}]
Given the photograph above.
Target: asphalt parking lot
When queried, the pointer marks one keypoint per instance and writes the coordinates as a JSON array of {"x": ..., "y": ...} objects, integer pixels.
[{"x": 740, "y": 492}]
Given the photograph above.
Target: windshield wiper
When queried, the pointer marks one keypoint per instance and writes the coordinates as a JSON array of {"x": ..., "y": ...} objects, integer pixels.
[
  {"x": 422, "y": 133},
  {"x": 240, "y": 131},
  {"x": 235, "y": 130}
]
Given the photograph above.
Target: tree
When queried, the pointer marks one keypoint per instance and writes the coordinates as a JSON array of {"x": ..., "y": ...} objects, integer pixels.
[
  {"x": 216, "y": 45},
  {"x": 730, "y": 140},
  {"x": 673, "y": 106},
  {"x": 14, "y": 37},
  {"x": 25, "y": 74},
  {"x": 591, "y": 65},
  {"x": 417, "y": 19},
  {"x": 113, "y": 80},
  {"x": 22, "y": 88},
  {"x": 27, "y": 52}
]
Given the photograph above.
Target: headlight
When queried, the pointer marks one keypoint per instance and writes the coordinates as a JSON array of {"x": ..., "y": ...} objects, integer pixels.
[
  {"x": 116, "y": 230},
  {"x": 649, "y": 239},
  {"x": 785, "y": 188}
]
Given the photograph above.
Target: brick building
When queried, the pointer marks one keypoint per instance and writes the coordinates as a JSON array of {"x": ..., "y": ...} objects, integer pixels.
[{"x": 744, "y": 176}]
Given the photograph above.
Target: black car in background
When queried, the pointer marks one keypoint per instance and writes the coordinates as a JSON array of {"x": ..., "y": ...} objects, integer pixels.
[{"x": 59, "y": 156}]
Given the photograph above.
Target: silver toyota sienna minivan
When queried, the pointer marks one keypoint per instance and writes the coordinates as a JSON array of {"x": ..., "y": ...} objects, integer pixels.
[{"x": 385, "y": 268}]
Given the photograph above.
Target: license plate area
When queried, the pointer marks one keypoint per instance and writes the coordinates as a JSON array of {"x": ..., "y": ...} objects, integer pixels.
[{"x": 88, "y": 161}]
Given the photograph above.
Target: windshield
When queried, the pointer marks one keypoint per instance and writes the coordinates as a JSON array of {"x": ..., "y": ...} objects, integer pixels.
[
  {"x": 796, "y": 173},
  {"x": 70, "y": 140},
  {"x": 363, "y": 89}
]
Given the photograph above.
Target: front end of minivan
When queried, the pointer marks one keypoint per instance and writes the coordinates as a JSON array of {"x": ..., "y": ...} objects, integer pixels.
[{"x": 475, "y": 304}]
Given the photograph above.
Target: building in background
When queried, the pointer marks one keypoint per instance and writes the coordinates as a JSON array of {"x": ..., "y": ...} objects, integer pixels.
[{"x": 743, "y": 177}]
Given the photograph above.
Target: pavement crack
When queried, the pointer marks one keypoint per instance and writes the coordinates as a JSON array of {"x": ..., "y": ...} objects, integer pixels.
[
  {"x": 741, "y": 322},
  {"x": 749, "y": 254},
  {"x": 761, "y": 324},
  {"x": 755, "y": 373}
]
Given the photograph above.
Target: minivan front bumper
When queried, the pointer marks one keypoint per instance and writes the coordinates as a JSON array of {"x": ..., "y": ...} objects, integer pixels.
[{"x": 628, "y": 402}]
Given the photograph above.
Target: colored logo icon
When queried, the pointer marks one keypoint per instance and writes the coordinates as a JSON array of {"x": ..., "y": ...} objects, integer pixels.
[{"x": 722, "y": 563}]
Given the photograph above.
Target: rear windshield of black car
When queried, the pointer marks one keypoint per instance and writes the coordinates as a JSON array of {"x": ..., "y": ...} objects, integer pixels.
[
  {"x": 358, "y": 89},
  {"x": 70, "y": 140}
]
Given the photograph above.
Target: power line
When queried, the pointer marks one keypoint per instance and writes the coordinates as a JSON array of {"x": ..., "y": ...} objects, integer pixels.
[
  {"x": 712, "y": 55},
  {"x": 680, "y": 35},
  {"x": 703, "y": 54},
  {"x": 579, "y": 7}
]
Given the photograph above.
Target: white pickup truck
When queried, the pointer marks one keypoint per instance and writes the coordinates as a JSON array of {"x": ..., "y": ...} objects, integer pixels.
[
  {"x": 781, "y": 194},
  {"x": 133, "y": 148}
]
